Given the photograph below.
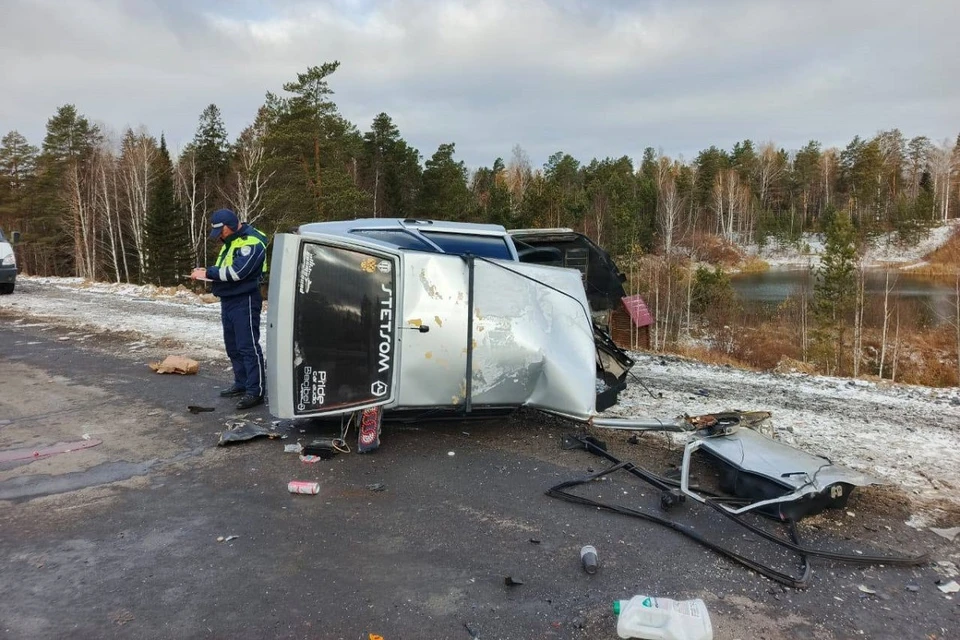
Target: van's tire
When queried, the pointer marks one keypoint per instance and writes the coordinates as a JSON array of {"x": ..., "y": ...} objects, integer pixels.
[{"x": 6, "y": 289}]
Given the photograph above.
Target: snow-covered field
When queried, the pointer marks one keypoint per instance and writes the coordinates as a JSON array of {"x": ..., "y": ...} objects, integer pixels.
[
  {"x": 904, "y": 435},
  {"x": 883, "y": 251}
]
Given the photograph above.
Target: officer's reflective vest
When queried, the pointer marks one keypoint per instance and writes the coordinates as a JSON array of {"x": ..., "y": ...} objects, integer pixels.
[{"x": 255, "y": 237}]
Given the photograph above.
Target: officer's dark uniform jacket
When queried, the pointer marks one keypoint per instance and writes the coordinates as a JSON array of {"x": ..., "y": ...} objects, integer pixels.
[{"x": 241, "y": 263}]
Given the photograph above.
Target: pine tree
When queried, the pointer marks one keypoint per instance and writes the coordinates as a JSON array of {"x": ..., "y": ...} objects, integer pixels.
[
  {"x": 17, "y": 168},
  {"x": 391, "y": 169},
  {"x": 67, "y": 147},
  {"x": 444, "y": 195},
  {"x": 491, "y": 195},
  {"x": 167, "y": 236},
  {"x": 564, "y": 178},
  {"x": 211, "y": 144},
  {"x": 834, "y": 291},
  {"x": 312, "y": 152}
]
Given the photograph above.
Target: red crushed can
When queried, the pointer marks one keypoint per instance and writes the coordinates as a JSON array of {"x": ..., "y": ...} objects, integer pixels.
[{"x": 302, "y": 486}]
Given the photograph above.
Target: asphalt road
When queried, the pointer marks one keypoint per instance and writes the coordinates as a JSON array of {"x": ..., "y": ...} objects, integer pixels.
[{"x": 120, "y": 539}]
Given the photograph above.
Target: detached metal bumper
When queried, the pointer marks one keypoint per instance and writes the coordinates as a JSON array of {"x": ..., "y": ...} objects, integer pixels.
[{"x": 8, "y": 274}]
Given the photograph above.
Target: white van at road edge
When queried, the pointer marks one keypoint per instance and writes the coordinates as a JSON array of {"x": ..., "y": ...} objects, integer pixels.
[{"x": 8, "y": 265}]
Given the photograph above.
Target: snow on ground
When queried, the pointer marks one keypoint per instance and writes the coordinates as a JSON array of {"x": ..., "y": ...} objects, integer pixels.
[
  {"x": 903, "y": 435},
  {"x": 883, "y": 250},
  {"x": 157, "y": 313}
]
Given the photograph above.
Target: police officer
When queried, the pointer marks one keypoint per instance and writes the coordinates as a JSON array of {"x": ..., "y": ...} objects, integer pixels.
[{"x": 236, "y": 281}]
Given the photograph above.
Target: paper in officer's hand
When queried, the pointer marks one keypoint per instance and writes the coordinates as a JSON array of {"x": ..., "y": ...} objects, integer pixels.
[{"x": 199, "y": 274}]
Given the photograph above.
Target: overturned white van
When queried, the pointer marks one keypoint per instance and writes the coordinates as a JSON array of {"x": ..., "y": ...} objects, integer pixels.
[{"x": 437, "y": 317}]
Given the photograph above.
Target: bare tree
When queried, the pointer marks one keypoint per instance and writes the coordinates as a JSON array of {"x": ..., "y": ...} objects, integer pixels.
[
  {"x": 887, "y": 289},
  {"x": 896, "y": 347},
  {"x": 769, "y": 170},
  {"x": 245, "y": 192},
  {"x": 858, "y": 308},
  {"x": 943, "y": 164},
  {"x": 719, "y": 195},
  {"x": 519, "y": 175},
  {"x": 669, "y": 202},
  {"x": 956, "y": 323},
  {"x": 105, "y": 199},
  {"x": 138, "y": 154},
  {"x": 828, "y": 170},
  {"x": 192, "y": 193}
]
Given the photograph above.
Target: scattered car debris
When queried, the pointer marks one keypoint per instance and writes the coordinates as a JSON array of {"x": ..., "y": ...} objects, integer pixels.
[
  {"x": 950, "y": 534},
  {"x": 588, "y": 559},
  {"x": 302, "y": 486},
  {"x": 788, "y": 517},
  {"x": 534, "y": 541},
  {"x": 368, "y": 438},
  {"x": 451, "y": 453},
  {"x": 325, "y": 448},
  {"x": 865, "y": 589},
  {"x": 310, "y": 459},
  {"x": 230, "y": 538},
  {"x": 243, "y": 430},
  {"x": 949, "y": 587},
  {"x": 293, "y": 448},
  {"x": 377, "y": 486},
  {"x": 193, "y": 408},
  {"x": 176, "y": 364},
  {"x": 510, "y": 581},
  {"x": 913, "y": 587}
]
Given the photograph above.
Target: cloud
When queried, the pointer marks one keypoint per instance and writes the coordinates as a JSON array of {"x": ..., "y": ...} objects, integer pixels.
[{"x": 600, "y": 78}]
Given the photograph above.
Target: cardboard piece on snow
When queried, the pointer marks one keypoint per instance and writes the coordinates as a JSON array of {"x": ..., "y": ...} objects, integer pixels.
[{"x": 176, "y": 364}]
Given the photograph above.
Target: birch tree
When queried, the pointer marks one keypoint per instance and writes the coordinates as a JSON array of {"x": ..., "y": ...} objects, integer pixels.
[
  {"x": 192, "y": 195},
  {"x": 138, "y": 154},
  {"x": 888, "y": 288},
  {"x": 518, "y": 175},
  {"x": 943, "y": 165},
  {"x": 769, "y": 169},
  {"x": 249, "y": 177},
  {"x": 669, "y": 202}
]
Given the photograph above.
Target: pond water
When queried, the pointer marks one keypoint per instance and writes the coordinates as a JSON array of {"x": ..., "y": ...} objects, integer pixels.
[{"x": 933, "y": 298}]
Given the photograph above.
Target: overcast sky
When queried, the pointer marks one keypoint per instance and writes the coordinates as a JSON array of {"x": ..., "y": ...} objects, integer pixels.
[{"x": 589, "y": 77}]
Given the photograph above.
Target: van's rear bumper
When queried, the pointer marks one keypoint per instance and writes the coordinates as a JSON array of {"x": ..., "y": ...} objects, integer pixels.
[{"x": 8, "y": 273}]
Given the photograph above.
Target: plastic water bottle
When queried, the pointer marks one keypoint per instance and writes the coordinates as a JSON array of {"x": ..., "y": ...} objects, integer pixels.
[{"x": 652, "y": 618}]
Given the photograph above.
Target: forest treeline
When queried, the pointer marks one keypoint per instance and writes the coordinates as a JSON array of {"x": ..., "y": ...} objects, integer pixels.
[{"x": 117, "y": 206}]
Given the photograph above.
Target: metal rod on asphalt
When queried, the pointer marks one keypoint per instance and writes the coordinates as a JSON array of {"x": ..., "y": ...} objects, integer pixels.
[{"x": 677, "y": 425}]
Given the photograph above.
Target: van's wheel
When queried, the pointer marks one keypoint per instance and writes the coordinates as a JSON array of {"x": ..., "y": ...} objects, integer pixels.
[{"x": 7, "y": 288}]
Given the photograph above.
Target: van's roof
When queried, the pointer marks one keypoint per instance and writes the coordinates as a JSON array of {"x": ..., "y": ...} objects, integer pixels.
[{"x": 342, "y": 227}]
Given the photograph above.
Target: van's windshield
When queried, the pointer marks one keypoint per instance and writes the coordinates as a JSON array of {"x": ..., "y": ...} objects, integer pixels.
[{"x": 2, "y": 239}]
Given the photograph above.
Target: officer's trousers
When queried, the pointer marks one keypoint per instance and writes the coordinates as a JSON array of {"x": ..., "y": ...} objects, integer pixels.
[{"x": 240, "y": 316}]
